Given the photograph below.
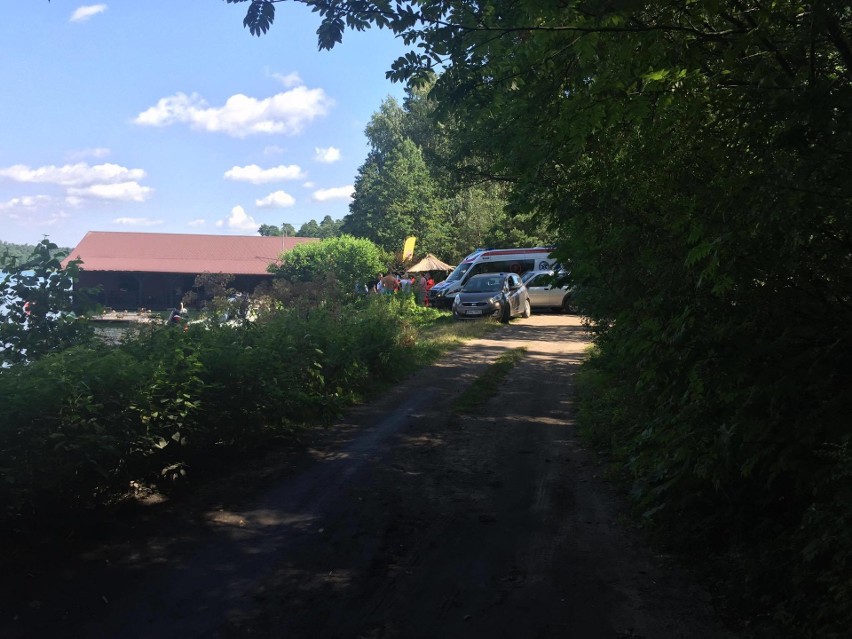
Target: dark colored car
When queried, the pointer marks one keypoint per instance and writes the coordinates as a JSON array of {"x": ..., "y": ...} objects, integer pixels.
[
  {"x": 549, "y": 289},
  {"x": 500, "y": 295}
]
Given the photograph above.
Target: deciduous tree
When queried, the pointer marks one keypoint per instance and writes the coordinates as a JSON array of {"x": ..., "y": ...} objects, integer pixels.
[{"x": 269, "y": 230}]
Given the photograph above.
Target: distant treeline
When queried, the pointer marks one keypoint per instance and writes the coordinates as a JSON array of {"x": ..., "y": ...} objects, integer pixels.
[{"x": 22, "y": 251}]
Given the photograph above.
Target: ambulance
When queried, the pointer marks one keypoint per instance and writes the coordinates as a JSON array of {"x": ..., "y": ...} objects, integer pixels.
[{"x": 515, "y": 260}]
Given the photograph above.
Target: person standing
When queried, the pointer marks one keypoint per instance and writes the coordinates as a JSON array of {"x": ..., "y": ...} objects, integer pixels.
[
  {"x": 389, "y": 283},
  {"x": 429, "y": 284},
  {"x": 420, "y": 290}
]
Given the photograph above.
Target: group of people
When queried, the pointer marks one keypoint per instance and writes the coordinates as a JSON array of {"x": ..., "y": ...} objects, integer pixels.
[{"x": 417, "y": 283}]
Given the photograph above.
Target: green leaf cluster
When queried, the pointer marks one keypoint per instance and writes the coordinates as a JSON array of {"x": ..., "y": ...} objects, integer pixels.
[
  {"x": 259, "y": 15},
  {"x": 41, "y": 311}
]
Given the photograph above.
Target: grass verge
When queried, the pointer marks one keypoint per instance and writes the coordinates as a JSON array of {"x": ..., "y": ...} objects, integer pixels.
[
  {"x": 438, "y": 333},
  {"x": 487, "y": 384}
]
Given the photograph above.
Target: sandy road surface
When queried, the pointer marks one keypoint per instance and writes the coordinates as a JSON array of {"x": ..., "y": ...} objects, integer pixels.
[{"x": 402, "y": 521}]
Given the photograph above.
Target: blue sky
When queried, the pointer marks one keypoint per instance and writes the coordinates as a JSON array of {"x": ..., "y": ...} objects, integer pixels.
[{"x": 167, "y": 116}]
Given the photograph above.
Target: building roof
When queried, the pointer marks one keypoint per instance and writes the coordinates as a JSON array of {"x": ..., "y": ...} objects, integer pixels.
[{"x": 180, "y": 253}]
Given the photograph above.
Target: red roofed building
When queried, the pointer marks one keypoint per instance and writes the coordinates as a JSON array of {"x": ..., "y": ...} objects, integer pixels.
[{"x": 155, "y": 270}]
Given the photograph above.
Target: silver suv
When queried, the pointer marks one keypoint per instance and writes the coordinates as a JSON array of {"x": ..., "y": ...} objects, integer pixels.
[
  {"x": 500, "y": 295},
  {"x": 549, "y": 289}
]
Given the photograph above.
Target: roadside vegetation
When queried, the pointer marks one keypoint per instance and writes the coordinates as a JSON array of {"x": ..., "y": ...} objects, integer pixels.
[{"x": 171, "y": 405}]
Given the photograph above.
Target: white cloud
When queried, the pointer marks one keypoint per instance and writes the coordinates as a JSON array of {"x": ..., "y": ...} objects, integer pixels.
[
  {"x": 54, "y": 218},
  {"x": 328, "y": 155},
  {"x": 51, "y": 220},
  {"x": 285, "y": 113},
  {"x": 136, "y": 221},
  {"x": 111, "y": 182},
  {"x": 81, "y": 154},
  {"x": 309, "y": 185},
  {"x": 290, "y": 80},
  {"x": 256, "y": 175},
  {"x": 25, "y": 202},
  {"x": 239, "y": 220},
  {"x": 276, "y": 200},
  {"x": 83, "y": 13},
  {"x": 197, "y": 222},
  {"x": 72, "y": 174},
  {"x": 33, "y": 211},
  {"x": 337, "y": 193},
  {"x": 123, "y": 191},
  {"x": 273, "y": 149}
]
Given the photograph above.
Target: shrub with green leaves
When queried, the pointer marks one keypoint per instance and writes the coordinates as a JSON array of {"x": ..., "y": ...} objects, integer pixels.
[
  {"x": 168, "y": 405},
  {"x": 351, "y": 261},
  {"x": 40, "y": 307}
]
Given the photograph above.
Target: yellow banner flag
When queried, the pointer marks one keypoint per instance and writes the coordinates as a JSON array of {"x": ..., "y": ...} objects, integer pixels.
[{"x": 408, "y": 248}]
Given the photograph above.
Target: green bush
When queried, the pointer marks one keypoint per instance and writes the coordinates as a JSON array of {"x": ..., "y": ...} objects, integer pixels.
[
  {"x": 352, "y": 261},
  {"x": 67, "y": 434},
  {"x": 78, "y": 425},
  {"x": 41, "y": 305}
]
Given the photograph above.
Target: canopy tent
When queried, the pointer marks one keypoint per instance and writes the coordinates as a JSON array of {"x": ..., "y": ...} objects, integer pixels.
[{"x": 429, "y": 263}]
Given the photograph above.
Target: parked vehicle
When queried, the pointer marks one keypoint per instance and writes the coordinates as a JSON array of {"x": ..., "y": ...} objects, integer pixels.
[
  {"x": 549, "y": 289},
  {"x": 514, "y": 260},
  {"x": 500, "y": 295}
]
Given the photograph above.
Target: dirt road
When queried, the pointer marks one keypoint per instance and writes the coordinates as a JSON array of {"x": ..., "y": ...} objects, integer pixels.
[{"x": 402, "y": 521}]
